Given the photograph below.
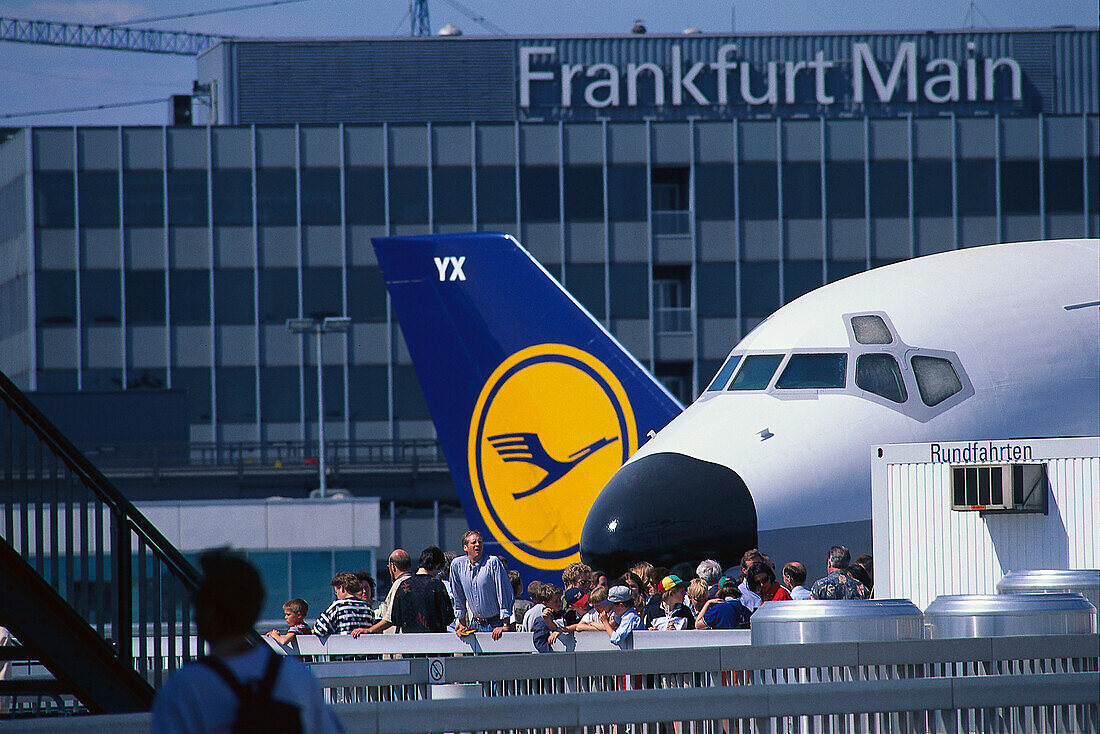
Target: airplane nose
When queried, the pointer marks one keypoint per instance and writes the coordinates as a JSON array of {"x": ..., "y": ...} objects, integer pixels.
[{"x": 668, "y": 508}]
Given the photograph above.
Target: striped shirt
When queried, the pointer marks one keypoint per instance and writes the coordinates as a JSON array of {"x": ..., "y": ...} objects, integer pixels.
[{"x": 344, "y": 615}]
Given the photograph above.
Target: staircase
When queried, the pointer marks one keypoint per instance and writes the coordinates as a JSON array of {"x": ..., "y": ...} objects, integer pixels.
[{"x": 98, "y": 600}]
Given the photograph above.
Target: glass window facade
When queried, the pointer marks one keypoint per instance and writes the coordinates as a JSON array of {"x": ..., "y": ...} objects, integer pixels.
[{"x": 737, "y": 217}]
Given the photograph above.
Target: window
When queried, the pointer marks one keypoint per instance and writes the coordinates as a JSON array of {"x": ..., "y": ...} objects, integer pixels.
[
  {"x": 932, "y": 189},
  {"x": 672, "y": 298},
  {"x": 278, "y": 294},
  {"x": 364, "y": 198},
  {"x": 101, "y": 297},
  {"x": 1020, "y": 187},
  {"x": 936, "y": 379},
  {"x": 190, "y": 296},
  {"x": 871, "y": 330},
  {"x": 714, "y": 190},
  {"x": 55, "y": 297},
  {"x": 889, "y": 189},
  {"x": 187, "y": 198},
  {"x": 844, "y": 189},
  {"x": 233, "y": 302},
  {"x": 98, "y": 196},
  {"x": 756, "y": 372},
  {"x": 276, "y": 198},
  {"x": 977, "y": 187},
  {"x": 626, "y": 192},
  {"x": 232, "y": 196},
  {"x": 279, "y": 396},
  {"x": 802, "y": 190},
  {"x": 813, "y": 371},
  {"x": 53, "y": 198},
  {"x": 452, "y": 195},
  {"x": 320, "y": 196},
  {"x": 144, "y": 297},
  {"x": 1062, "y": 186},
  {"x": 757, "y": 189},
  {"x": 723, "y": 377},
  {"x": 143, "y": 198},
  {"x": 539, "y": 193},
  {"x": 496, "y": 194},
  {"x": 583, "y": 193},
  {"x": 670, "y": 189},
  {"x": 881, "y": 375},
  {"x": 409, "y": 195}
]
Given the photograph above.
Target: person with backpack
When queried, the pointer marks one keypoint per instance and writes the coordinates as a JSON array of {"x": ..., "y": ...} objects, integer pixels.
[{"x": 243, "y": 686}]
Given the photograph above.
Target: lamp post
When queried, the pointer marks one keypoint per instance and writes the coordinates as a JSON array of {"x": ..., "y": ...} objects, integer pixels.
[{"x": 319, "y": 327}]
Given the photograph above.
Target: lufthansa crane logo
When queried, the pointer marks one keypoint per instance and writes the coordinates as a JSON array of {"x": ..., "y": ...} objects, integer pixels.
[{"x": 552, "y": 424}]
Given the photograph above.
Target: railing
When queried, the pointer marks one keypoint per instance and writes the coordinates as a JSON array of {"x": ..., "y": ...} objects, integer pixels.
[
  {"x": 274, "y": 455},
  {"x": 698, "y": 682},
  {"x": 79, "y": 540},
  {"x": 672, "y": 320},
  {"x": 713, "y": 682},
  {"x": 668, "y": 223}
]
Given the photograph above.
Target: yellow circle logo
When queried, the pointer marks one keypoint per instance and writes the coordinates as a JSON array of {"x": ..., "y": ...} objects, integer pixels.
[{"x": 552, "y": 424}]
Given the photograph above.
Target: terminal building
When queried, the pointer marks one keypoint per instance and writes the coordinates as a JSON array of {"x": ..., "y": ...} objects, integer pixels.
[{"x": 681, "y": 187}]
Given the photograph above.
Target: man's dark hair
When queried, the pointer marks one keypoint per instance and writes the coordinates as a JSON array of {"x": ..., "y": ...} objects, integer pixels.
[
  {"x": 796, "y": 572},
  {"x": 839, "y": 557},
  {"x": 231, "y": 590},
  {"x": 859, "y": 573},
  {"x": 431, "y": 559}
]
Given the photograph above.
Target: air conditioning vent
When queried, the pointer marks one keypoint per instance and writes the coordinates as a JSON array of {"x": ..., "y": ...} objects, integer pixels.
[{"x": 999, "y": 488}]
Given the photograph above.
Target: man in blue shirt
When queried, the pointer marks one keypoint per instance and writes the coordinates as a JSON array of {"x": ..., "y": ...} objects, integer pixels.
[{"x": 482, "y": 590}]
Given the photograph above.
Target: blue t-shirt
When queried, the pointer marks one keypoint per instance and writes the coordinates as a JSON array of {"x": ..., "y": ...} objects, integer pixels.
[{"x": 727, "y": 615}]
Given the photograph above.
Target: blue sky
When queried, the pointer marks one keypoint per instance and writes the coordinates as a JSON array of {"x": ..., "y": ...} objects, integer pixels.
[{"x": 39, "y": 77}]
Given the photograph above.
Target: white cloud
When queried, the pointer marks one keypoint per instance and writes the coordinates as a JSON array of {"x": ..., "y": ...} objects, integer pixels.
[{"x": 87, "y": 11}]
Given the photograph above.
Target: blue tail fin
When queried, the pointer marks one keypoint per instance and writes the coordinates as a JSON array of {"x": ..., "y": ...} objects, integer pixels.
[{"x": 535, "y": 403}]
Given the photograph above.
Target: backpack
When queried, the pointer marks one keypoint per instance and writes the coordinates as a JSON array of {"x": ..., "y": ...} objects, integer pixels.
[{"x": 257, "y": 710}]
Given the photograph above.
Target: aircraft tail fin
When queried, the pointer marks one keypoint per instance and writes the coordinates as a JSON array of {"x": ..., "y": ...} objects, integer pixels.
[{"x": 534, "y": 402}]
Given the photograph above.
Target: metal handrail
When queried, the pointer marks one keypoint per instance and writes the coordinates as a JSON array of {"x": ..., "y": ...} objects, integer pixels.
[
  {"x": 66, "y": 519},
  {"x": 265, "y": 454}
]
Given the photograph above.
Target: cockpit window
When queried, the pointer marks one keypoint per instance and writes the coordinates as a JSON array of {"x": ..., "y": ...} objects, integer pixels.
[
  {"x": 881, "y": 375},
  {"x": 870, "y": 330},
  {"x": 813, "y": 371},
  {"x": 723, "y": 377},
  {"x": 756, "y": 372},
  {"x": 936, "y": 379}
]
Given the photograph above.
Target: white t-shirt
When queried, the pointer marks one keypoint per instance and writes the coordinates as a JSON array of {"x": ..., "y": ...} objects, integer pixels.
[{"x": 196, "y": 700}]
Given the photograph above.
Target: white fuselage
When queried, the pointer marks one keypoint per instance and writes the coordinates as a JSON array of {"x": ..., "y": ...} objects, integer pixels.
[{"x": 1019, "y": 322}]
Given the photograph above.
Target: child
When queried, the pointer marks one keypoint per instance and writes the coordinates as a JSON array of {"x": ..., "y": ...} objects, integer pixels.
[
  {"x": 537, "y": 591},
  {"x": 544, "y": 630},
  {"x": 622, "y": 618},
  {"x": 698, "y": 593},
  {"x": 597, "y": 600},
  {"x": 294, "y": 611},
  {"x": 677, "y": 615}
]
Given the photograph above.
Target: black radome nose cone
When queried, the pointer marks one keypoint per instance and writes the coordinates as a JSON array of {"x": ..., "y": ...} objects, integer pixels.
[{"x": 666, "y": 509}]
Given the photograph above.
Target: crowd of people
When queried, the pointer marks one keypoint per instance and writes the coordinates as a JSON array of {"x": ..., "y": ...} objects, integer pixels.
[
  {"x": 244, "y": 687},
  {"x": 476, "y": 592}
]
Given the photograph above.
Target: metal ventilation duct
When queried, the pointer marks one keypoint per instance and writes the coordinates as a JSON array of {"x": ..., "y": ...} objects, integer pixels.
[
  {"x": 846, "y": 620},
  {"x": 1009, "y": 615}
]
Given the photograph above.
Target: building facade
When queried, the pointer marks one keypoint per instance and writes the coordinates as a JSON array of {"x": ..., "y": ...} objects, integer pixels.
[{"x": 681, "y": 188}]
